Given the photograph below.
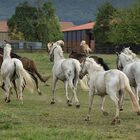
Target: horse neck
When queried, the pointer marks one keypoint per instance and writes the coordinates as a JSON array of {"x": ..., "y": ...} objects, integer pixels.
[
  {"x": 93, "y": 69},
  {"x": 125, "y": 61},
  {"x": 6, "y": 55},
  {"x": 58, "y": 56}
]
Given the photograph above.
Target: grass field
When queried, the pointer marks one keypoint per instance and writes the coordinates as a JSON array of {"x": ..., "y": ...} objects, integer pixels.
[{"x": 36, "y": 119}]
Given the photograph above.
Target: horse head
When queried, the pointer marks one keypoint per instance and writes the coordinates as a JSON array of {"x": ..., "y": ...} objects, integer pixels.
[
  {"x": 123, "y": 59},
  {"x": 50, "y": 45},
  {"x": 129, "y": 52},
  {"x": 7, "y": 50},
  {"x": 60, "y": 42},
  {"x": 83, "y": 42},
  {"x": 55, "y": 50}
]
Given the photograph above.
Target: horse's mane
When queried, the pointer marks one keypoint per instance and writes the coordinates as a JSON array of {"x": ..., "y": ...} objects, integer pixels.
[
  {"x": 100, "y": 61},
  {"x": 13, "y": 55},
  {"x": 96, "y": 65}
]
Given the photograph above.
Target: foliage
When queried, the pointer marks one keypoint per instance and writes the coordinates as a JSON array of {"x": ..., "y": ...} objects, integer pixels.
[
  {"x": 35, "y": 23},
  {"x": 126, "y": 29},
  {"x": 22, "y": 21},
  {"x": 102, "y": 27}
]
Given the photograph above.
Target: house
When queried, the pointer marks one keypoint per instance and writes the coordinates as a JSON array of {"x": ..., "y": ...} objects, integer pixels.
[
  {"x": 20, "y": 44},
  {"x": 3, "y": 31},
  {"x": 74, "y": 35}
]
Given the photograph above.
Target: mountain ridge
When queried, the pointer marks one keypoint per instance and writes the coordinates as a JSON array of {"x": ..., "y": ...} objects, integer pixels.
[{"x": 76, "y": 11}]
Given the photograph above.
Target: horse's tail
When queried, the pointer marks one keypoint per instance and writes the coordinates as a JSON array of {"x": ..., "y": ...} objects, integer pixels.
[
  {"x": 84, "y": 83},
  {"x": 77, "y": 69},
  {"x": 30, "y": 66},
  {"x": 25, "y": 77},
  {"x": 42, "y": 79},
  {"x": 126, "y": 88}
]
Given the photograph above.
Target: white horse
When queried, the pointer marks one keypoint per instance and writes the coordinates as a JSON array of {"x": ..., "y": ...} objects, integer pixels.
[
  {"x": 106, "y": 83},
  {"x": 129, "y": 63},
  {"x": 85, "y": 48},
  {"x": 66, "y": 70},
  {"x": 12, "y": 69}
]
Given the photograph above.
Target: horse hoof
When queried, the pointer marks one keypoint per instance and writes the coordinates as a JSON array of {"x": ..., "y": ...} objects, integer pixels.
[
  {"x": 113, "y": 123},
  {"x": 121, "y": 109},
  {"x": 78, "y": 106},
  {"x": 52, "y": 102},
  {"x": 138, "y": 113},
  {"x": 5, "y": 99},
  {"x": 8, "y": 101},
  {"x": 39, "y": 93},
  {"x": 68, "y": 101},
  {"x": 69, "y": 104},
  {"x": 105, "y": 113},
  {"x": 87, "y": 118},
  {"x": 116, "y": 120}
]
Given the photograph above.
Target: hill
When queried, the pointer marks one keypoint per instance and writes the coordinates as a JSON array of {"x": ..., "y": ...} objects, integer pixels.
[{"x": 77, "y": 11}]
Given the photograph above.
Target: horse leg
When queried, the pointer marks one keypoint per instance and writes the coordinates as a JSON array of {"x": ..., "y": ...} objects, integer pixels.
[
  {"x": 91, "y": 96},
  {"x": 102, "y": 106},
  {"x": 74, "y": 93},
  {"x": 53, "y": 89},
  {"x": 21, "y": 88},
  {"x": 66, "y": 93},
  {"x": 15, "y": 87},
  {"x": 121, "y": 98},
  {"x": 116, "y": 101},
  {"x": 7, "y": 87},
  {"x": 5, "y": 90},
  {"x": 36, "y": 82},
  {"x": 137, "y": 93}
]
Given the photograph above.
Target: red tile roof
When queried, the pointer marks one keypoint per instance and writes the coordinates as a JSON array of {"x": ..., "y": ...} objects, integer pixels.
[
  {"x": 3, "y": 26},
  {"x": 65, "y": 25},
  {"x": 80, "y": 27}
]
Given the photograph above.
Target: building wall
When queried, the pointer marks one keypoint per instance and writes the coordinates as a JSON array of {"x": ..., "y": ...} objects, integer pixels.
[{"x": 73, "y": 39}]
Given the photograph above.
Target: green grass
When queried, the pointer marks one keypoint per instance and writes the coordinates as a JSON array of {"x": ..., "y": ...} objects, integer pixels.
[{"x": 36, "y": 119}]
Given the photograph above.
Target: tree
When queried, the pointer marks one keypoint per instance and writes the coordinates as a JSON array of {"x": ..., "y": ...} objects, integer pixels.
[
  {"x": 102, "y": 27},
  {"x": 22, "y": 22},
  {"x": 48, "y": 24},
  {"x": 37, "y": 23},
  {"x": 126, "y": 29}
]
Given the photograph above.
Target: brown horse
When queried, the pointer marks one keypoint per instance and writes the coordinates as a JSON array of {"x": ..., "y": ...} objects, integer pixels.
[
  {"x": 85, "y": 47},
  {"x": 82, "y": 56},
  {"x": 30, "y": 66}
]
